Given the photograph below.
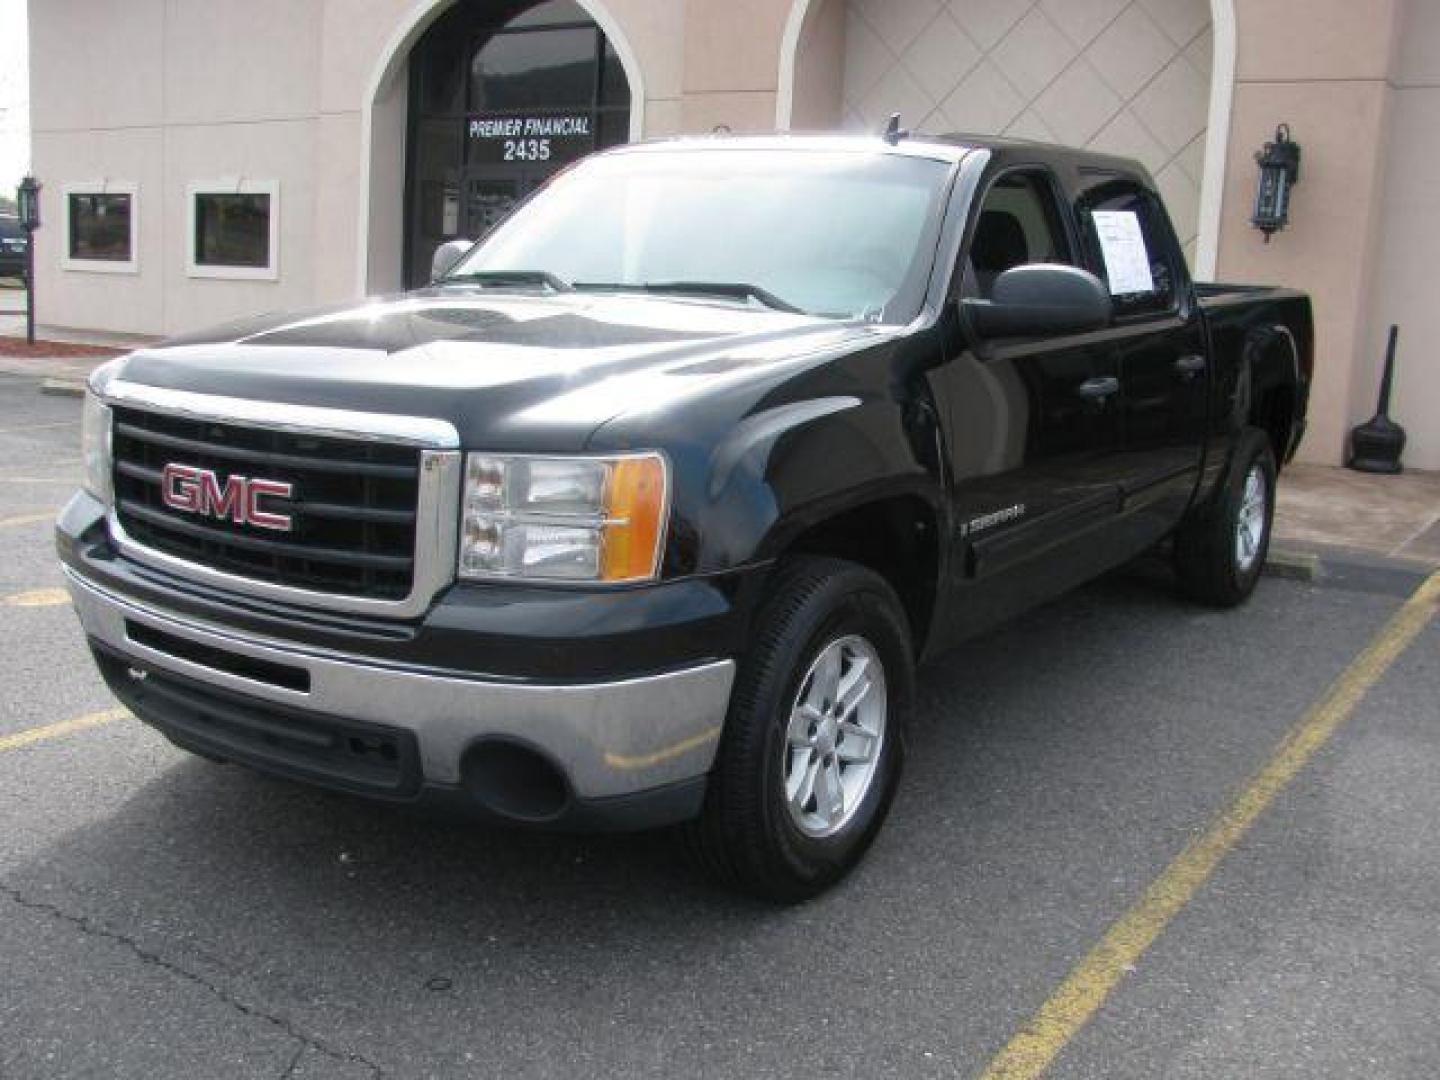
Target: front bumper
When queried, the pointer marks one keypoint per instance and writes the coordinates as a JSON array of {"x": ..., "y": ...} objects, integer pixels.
[{"x": 626, "y": 752}]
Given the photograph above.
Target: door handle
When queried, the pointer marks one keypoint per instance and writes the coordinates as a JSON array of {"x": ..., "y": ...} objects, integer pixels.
[
  {"x": 1098, "y": 389},
  {"x": 1190, "y": 366}
]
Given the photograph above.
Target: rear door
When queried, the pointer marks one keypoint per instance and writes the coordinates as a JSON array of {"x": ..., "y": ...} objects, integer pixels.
[{"x": 1158, "y": 342}]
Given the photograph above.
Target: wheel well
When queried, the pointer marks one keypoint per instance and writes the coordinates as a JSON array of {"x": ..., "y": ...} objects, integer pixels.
[
  {"x": 898, "y": 539},
  {"x": 1274, "y": 414}
]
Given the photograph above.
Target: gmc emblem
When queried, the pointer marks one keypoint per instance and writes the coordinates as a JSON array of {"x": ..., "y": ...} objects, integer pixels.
[{"x": 199, "y": 491}]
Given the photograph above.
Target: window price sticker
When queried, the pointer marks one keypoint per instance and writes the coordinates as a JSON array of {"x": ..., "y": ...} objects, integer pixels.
[{"x": 1122, "y": 242}]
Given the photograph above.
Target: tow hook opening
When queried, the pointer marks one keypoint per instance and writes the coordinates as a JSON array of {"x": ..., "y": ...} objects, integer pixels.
[{"x": 515, "y": 781}]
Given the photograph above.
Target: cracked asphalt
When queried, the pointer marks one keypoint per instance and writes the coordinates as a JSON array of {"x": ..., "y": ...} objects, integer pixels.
[{"x": 162, "y": 916}]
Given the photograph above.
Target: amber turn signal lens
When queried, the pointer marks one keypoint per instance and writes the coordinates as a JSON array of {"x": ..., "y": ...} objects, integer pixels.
[{"x": 635, "y": 513}]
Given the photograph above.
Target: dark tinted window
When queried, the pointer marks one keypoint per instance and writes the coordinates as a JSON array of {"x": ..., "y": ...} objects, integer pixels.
[
  {"x": 549, "y": 13},
  {"x": 614, "y": 87},
  {"x": 232, "y": 230},
  {"x": 100, "y": 227},
  {"x": 1120, "y": 198},
  {"x": 517, "y": 70}
]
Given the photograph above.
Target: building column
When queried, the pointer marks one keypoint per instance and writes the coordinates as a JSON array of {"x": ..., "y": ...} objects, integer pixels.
[{"x": 1323, "y": 67}]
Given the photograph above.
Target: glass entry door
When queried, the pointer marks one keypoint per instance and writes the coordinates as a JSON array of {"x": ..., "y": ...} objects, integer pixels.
[
  {"x": 503, "y": 94},
  {"x": 488, "y": 199}
]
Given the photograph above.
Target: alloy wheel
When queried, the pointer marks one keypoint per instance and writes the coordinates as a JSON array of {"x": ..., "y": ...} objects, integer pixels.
[{"x": 835, "y": 736}]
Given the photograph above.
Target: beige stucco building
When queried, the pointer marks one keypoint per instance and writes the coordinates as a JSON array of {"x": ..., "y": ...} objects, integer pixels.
[{"x": 206, "y": 159}]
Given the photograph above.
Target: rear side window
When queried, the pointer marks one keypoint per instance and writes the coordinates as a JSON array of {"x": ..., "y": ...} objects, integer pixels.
[
  {"x": 1019, "y": 223},
  {"x": 1130, "y": 246}
]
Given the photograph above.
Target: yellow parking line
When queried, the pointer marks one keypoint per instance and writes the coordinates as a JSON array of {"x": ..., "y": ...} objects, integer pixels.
[
  {"x": 28, "y": 519},
  {"x": 64, "y": 727},
  {"x": 1091, "y": 982},
  {"x": 36, "y": 598}
]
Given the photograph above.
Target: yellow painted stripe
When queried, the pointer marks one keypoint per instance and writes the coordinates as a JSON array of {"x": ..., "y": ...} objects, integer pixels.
[
  {"x": 1091, "y": 982},
  {"x": 55, "y": 731},
  {"x": 27, "y": 519},
  {"x": 669, "y": 753},
  {"x": 36, "y": 598}
]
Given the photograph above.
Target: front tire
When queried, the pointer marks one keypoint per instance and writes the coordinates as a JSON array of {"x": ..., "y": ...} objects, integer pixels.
[
  {"x": 1220, "y": 553},
  {"x": 815, "y": 738}
]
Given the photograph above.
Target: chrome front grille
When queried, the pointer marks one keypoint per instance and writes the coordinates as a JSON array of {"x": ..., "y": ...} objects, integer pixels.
[
  {"x": 368, "y": 508},
  {"x": 352, "y": 511}
]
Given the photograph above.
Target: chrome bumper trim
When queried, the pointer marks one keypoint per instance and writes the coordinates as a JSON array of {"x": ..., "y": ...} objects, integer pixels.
[
  {"x": 437, "y": 505},
  {"x": 612, "y": 738}
]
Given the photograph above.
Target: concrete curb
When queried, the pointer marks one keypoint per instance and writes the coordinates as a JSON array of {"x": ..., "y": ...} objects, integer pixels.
[
  {"x": 63, "y": 387},
  {"x": 1294, "y": 565}
]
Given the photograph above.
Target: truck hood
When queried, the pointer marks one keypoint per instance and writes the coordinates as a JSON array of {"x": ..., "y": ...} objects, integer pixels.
[{"x": 511, "y": 371}]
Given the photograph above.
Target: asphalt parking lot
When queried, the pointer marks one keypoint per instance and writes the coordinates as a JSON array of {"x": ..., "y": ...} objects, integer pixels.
[{"x": 162, "y": 916}]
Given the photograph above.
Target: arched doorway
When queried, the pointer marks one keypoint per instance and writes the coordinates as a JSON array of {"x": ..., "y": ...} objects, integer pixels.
[
  {"x": 1150, "y": 79},
  {"x": 501, "y": 96}
]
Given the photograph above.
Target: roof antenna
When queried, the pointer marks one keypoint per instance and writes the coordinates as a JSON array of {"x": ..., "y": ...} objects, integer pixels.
[{"x": 893, "y": 132}]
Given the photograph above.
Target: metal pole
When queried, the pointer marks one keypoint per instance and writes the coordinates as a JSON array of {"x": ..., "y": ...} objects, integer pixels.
[{"x": 29, "y": 286}]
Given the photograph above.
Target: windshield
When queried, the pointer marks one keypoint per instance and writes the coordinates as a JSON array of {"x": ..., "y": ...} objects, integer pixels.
[{"x": 844, "y": 235}]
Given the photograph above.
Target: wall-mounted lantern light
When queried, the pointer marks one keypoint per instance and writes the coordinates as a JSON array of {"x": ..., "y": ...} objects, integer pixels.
[
  {"x": 1279, "y": 171},
  {"x": 27, "y": 196}
]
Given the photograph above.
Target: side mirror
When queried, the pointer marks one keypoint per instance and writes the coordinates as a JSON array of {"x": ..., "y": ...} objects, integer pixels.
[
  {"x": 1041, "y": 298},
  {"x": 446, "y": 256}
]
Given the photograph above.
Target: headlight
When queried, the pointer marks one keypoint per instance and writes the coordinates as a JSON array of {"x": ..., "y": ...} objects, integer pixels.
[
  {"x": 95, "y": 447},
  {"x": 563, "y": 519}
]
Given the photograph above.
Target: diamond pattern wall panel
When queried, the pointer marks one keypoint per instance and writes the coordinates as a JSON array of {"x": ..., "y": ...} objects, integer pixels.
[{"x": 1128, "y": 77}]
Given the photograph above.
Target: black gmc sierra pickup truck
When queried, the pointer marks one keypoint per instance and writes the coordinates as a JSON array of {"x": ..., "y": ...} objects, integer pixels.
[{"x": 644, "y": 511}]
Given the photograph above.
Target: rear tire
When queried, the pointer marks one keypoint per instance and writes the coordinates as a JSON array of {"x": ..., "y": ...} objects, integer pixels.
[
  {"x": 814, "y": 741},
  {"x": 1220, "y": 552}
]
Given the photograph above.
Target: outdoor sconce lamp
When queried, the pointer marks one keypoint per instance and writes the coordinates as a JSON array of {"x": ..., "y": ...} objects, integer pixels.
[
  {"x": 27, "y": 198},
  {"x": 1279, "y": 171}
]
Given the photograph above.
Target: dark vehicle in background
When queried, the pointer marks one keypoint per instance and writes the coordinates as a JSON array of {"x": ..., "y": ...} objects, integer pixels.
[
  {"x": 644, "y": 512},
  {"x": 13, "y": 247}
]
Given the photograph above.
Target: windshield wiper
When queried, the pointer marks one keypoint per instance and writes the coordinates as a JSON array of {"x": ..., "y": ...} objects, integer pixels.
[
  {"x": 509, "y": 277},
  {"x": 737, "y": 290}
]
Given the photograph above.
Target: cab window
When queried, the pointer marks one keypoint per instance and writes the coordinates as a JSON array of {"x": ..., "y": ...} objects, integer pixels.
[
  {"x": 1130, "y": 246},
  {"x": 1019, "y": 223}
]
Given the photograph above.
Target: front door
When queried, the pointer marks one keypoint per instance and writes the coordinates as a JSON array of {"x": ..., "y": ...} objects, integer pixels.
[{"x": 1033, "y": 427}]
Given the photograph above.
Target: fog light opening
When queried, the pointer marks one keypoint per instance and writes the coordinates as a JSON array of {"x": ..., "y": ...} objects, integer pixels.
[{"x": 515, "y": 782}]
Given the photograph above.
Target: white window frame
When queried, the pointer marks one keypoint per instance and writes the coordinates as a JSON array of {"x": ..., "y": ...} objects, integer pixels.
[
  {"x": 102, "y": 266},
  {"x": 232, "y": 186}
]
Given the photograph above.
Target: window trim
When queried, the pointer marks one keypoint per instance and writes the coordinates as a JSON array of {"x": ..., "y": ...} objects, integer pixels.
[
  {"x": 101, "y": 266},
  {"x": 232, "y": 186}
]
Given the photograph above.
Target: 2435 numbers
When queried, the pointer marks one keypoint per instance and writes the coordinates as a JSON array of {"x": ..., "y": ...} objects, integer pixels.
[{"x": 527, "y": 149}]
